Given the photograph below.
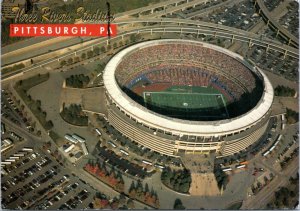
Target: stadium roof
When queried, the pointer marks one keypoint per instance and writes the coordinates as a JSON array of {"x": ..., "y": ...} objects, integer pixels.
[{"x": 178, "y": 126}]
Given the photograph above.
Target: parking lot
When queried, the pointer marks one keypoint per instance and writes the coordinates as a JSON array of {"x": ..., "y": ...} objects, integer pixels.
[
  {"x": 135, "y": 150},
  {"x": 35, "y": 180},
  {"x": 10, "y": 110},
  {"x": 270, "y": 61},
  {"x": 291, "y": 19},
  {"x": 241, "y": 16},
  {"x": 118, "y": 162}
]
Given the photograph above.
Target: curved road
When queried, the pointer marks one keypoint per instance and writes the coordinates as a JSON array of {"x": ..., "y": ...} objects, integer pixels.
[
  {"x": 280, "y": 29},
  {"x": 180, "y": 24},
  {"x": 287, "y": 50}
]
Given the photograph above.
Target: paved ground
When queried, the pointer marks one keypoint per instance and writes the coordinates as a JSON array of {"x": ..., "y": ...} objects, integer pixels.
[
  {"x": 265, "y": 195},
  {"x": 260, "y": 200},
  {"x": 32, "y": 142},
  {"x": 92, "y": 99},
  {"x": 289, "y": 102},
  {"x": 235, "y": 190},
  {"x": 51, "y": 103},
  {"x": 204, "y": 185},
  {"x": 278, "y": 80}
]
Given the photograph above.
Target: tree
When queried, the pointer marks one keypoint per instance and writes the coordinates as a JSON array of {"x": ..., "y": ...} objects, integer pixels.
[
  {"x": 132, "y": 38},
  {"x": 132, "y": 186},
  {"x": 146, "y": 188},
  {"x": 184, "y": 187},
  {"x": 292, "y": 116},
  {"x": 38, "y": 133},
  {"x": 132, "y": 193},
  {"x": 103, "y": 49},
  {"x": 284, "y": 91},
  {"x": 70, "y": 61},
  {"x": 122, "y": 199},
  {"x": 115, "y": 204},
  {"x": 38, "y": 103},
  {"x": 96, "y": 50},
  {"x": 115, "y": 45},
  {"x": 76, "y": 59},
  {"x": 90, "y": 54},
  {"x": 130, "y": 204},
  {"x": 178, "y": 205},
  {"x": 83, "y": 56},
  {"x": 63, "y": 63},
  {"x": 292, "y": 194},
  {"x": 138, "y": 37}
]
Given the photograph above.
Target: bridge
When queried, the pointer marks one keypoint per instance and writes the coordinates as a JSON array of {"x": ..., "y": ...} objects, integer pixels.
[
  {"x": 166, "y": 25},
  {"x": 280, "y": 30},
  {"x": 162, "y": 8},
  {"x": 145, "y": 24}
]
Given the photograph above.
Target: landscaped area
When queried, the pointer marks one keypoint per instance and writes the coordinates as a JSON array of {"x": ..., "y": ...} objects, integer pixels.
[
  {"x": 22, "y": 88},
  {"x": 74, "y": 115},
  {"x": 177, "y": 180},
  {"x": 112, "y": 178}
]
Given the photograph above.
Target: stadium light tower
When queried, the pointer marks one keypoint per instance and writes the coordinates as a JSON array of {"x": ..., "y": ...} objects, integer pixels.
[
  {"x": 28, "y": 6},
  {"x": 108, "y": 19}
]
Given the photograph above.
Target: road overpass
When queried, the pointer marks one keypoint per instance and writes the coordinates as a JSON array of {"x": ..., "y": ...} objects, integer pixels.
[
  {"x": 167, "y": 25},
  {"x": 37, "y": 46},
  {"x": 171, "y": 10},
  {"x": 173, "y": 4},
  {"x": 210, "y": 9},
  {"x": 280, "y": 30},
  {"x": 287, "y": 50}
]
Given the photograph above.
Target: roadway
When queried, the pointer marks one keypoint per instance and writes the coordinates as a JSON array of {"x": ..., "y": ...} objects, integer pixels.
[
  {"x": 259, "y": 200},
  {"x": 40, "y": 45},
  {"x": 235, "y": 33},
  {"x": 205, "y": 11},
  {"x": 270, "y": 20},
  {"x": 170, "y": 29},
  {"x": 45, "y": 42},
  {"x": 68, "y": 167},
  {"x": 181, "y": 7},
  {"x": 179, "y": 25},
  {"x": 31, "y": 48},
  {"x": 163, "y": 4}
]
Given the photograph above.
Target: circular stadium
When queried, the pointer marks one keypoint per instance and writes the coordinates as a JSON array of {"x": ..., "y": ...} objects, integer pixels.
[{"x": 179, "y": 96}]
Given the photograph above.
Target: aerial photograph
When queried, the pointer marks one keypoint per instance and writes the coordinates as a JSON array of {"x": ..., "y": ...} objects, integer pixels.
[{"x": 149, "y": 104}]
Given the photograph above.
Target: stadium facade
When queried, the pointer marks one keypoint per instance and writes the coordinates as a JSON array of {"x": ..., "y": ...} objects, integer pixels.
[{"x": 172, "y": 135}]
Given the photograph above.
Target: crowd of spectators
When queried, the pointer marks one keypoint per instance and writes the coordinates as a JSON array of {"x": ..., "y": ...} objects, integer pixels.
[
  {"x": 186, "y": 64},
  {"x": 166, "y": 75}
]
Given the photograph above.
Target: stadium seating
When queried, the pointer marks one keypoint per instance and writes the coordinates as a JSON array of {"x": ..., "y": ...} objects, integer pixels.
[{"x": 185, "y": 64}]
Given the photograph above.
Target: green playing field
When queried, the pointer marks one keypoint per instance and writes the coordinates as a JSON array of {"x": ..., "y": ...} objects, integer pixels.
[{"x": 177, "y": 101}]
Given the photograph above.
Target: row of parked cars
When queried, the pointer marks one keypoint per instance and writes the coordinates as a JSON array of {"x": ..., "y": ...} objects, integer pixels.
[{"x": 73, "y": 202}]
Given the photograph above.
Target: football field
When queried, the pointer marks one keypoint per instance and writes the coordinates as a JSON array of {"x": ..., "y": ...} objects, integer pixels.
[{"x": 185, "y": 101}]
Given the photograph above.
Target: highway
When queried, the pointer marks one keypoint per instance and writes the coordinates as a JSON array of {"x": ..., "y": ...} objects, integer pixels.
[
  {"x": 207, "y": 10},
  {"x": 280, "y": 29},
  {"x": 179, "y": 25},
  {"x": 214, "y": 28},
  {"x": 30, "y": 49},
  {"x": 39, "y": 45},
  {"x": 171, "y": 10},
  {"x": 150, "y": 24},
  {"x": 169, "y": 29},
  {"x": 163, "y": 4}
]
